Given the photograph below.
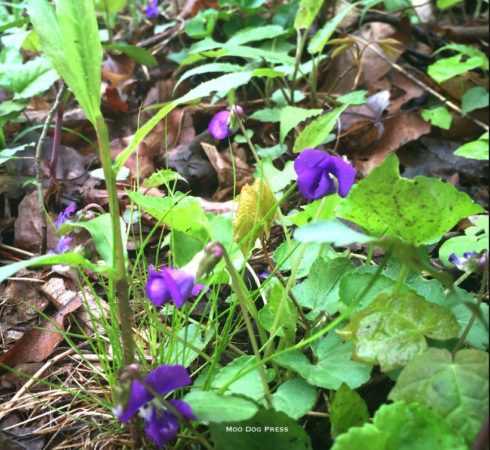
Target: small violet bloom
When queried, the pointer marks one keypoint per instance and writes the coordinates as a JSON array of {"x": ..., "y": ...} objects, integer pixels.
[
  {"x": 320, "y": 174},
  {"x": 224, "y": 123},
  {"x": 161, "y": 424},
  {"x": 65, "y": 215},
  {"x": 152, "y": 10},
  {"x": 169, "y": 284},
  {"x": 469, "y": 261},
  {"x": 63, "y": 244}
]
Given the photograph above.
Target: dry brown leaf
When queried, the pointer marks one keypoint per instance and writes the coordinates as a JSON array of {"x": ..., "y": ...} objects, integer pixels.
[{"x": 39, "y": 343}]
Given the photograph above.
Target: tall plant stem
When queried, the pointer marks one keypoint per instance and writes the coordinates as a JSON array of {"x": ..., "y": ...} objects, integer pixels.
[
  {"x": 235, "y": 281},
  {"x": 118, "y": 256},
  {"x": 39, "y": 174},
  {"x": 301, "y": 42},
  {"x": 401, "y": 279}
]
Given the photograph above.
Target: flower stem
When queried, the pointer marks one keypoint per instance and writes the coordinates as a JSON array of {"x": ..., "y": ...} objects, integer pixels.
[
  {"x": 251, "y": 333},
  {"x": 401, "y": 279}
]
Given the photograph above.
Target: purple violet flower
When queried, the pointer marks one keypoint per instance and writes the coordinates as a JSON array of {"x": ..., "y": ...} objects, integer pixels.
[
  {"x": 169, "y": 284},
  {"x": 152, "y": 10},
  {"x": 161, "y": 424},
  {"x": 470, "y": 261},
  {"x": 65, "y": 215},
  {"x": 316, "y": 172},
  {"x": 224, "y": 123},
  {"x": 63, "y": 244}
]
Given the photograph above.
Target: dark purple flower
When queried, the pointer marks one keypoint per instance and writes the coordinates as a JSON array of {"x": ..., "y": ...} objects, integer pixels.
[
  {"x": 161, "y": 424},
  {"x": 169, "y": 284},
  {"x": 65, "y": 215},
  {"x": 224, "y": 123},
  {"x": 321, "y": 174},
  {"x": 152, "y": 10}
]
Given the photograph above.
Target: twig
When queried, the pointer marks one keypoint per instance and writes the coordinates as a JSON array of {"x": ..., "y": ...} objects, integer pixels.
[
  {"x": 421, "y": 84},
  {"x": 39, "y": 175}
]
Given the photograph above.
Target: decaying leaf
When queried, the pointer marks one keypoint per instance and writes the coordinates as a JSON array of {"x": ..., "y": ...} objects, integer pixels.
[{"x": 254, "y": 216}]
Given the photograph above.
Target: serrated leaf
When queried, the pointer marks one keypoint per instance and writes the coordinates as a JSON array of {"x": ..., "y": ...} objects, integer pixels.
[
  {"x": 347, "y": 409},
  {"x": 475, "y": 149},
  {"x": 256, "y": 34},
  {"x": 70, "y": 40},
  {"x": 448, "y": 68},
  {"x": 455, "y": 389},
  {"x": 208, "y": 406},
  {"x": 267, "y": 429},
  {"x": 175, "y": 212},
  {"x": 318, "y": 130},
  {"x": 292, "y": 116},
  {"x": 333, "y": 366},
  {"x": 295, "y": 398},
  {"x": 255, "y": 204},
  {"x": 402, "y": 426},
  {"x": 391, "y": 330},
  {"x": 320, "y": 291},
  {"x": 417, "y": 211}
]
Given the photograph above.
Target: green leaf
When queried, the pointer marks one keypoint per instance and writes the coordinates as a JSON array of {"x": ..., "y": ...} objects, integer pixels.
[
  {"x": 267, "y": 115},
  {"x": 455, "y": 389},
  {"x": 447, "y": 68},
  {"x": 348, "y": 409},
  {"x": 311, "y": 211},
  {"x": 323, "y": 35},
  {"x": 292, "y": 116},
  {"x": 334, "y": 365},
  {"x": 70, "y": 41},
  {"x": 248, "y": 385},
  {"x": 390, "y": 331},
  {"x": 473, "y": 99},
  {"x": 100, "y": 229},
  {"x": 278, "y": 179},
  {"x": 475, "y": 239},
  {"x": 287, "y": 254},
  {"x": 208, "y": 406},
  {"x": 439, "y": 117},
  {"x": 175, "y": 212},
  {"x": 331, "y": 232},
  {"x": 318, "y": 130},
  {"x": 74, "y": 260},
  {"x": 210, "y": 68},
  {"x": 185, "y": 349},
  {"x": 320, "y": 291},
  {"x": 295, "y": 398},
  {"x": 402, "y": 426},
  {"x": 444, "y": 4},
  {"x": 256, "y": 34},
  {"x": 354, "y": 98},
  {"x": 9, "y": 153},
  {"x": 475, "y": 149},
  {"x": 28, "y": 79},
  {"x": 417, "y": 211},
  {"x": 267, "y": 429},
  {"x": 163, "y": 176},
  {"x": 287, "y": 313},
  {"x": 110, "y": 6},
  {"x": 355, "y": 281},
  {"x": 307, "y": 11},
  {"x": 138, "y": 54}
]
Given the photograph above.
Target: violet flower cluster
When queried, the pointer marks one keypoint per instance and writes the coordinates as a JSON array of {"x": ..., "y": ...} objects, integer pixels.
[
  {"x": 225, "y": 123},
  {"x": 470, "y": 261},
  {"x": 161, "y": 418},
  {"x": 320, "y": 174}
]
